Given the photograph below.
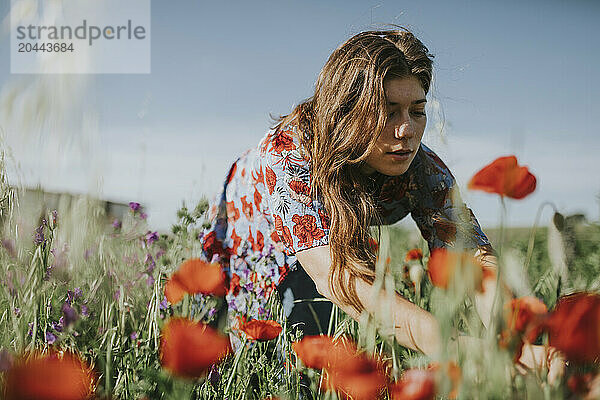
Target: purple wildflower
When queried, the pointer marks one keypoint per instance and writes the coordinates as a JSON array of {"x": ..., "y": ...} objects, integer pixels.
[
  {"x": 151, "y": 237},
  {"x": 6, "y": 360},
  {"x": 149, "y": 261},
  {"x": 133, "y": 206},
  {"x": 116, "y": 224},
  {"x": 17, "y": 311},
  {"x": 78, "y": 292},
  {"x": 163, "y": 304},
  {"x": 212, "y": 312},
  {"x": 69, "y": 314},
  {"x": 84, "y": 310},
  {"x": 30, "y": 331},
  {"x": 249, "y": 286},
  {"x": 232, "y": 305},
  {"x": 133, "y": 336},
  {"x": 38, "y": 238},
  {"x": 150, "y": 280},
  {"x": 58, "y": 326},
  {"x": 50, "y": 338},
  {"x": 160, "y": 253},
  {"x": 143, "y": 215},
  {"x": 117, "y": 294},
  {"x": 200, "y": 235},
  {"x": 54, "y": 217}
]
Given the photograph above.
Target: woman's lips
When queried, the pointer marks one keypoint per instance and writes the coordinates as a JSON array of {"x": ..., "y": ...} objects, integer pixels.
[{"x": 401, "y": 155}]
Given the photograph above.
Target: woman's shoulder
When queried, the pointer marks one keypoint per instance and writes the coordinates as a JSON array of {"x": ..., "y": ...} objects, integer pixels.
[
  {"x": 430, "y": 172},
  {"x": 280, "y": 139}
]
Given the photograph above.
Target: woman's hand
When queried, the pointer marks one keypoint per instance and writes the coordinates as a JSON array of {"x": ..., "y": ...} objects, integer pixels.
[
  {"x": 541, "y": 358},
  {"x": 485, "y": 301},
  {"x": 412, "y": 326}
]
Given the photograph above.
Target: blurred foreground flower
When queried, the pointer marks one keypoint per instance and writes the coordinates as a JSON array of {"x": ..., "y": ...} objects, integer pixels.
[
  {"x": 349, "y": 371},
  {"x": 49, "y": 377},
  {"x": 574, "y": 327},
  {"x": 523, "y": 317},
  {"x": 444, "y": 264},
  {"x": 193, "y": 277},
  {"x": 416, "y": 384},
  {"x": 505, "y": 177},
  {"x": 261, "y": 330},
  {"x": 188, "y": 349}
]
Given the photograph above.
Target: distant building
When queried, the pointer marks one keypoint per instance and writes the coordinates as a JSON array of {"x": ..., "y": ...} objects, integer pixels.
[{"x": 44, "y": 202}]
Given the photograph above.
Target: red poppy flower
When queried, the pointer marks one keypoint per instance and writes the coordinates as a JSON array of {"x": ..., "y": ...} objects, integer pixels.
[
  {"x": 188, "y": 349},
  {"x": 444, "y": 264},
  {"x": 574, "y": 327},
  {"x": 314, "y": 350},
  {"x": 322, "y": 352},
  {"x": 195, "y": 276},
  {"x": 523, "y": 317},
  {"x": 505, "y": 177},
  {"x": 349, "y": 371},
  {"x": 49, "y": 377},
  {"x": 261, "y": 330},
  {"x": 522, "y": 314},
  {"x": 414, "y": 254},
  {"x": 364, "y": 384},
  {"x": 416, "y": 384}
]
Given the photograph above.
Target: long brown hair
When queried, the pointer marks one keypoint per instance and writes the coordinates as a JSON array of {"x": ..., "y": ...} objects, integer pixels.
[{"x": 339, "y": 126}]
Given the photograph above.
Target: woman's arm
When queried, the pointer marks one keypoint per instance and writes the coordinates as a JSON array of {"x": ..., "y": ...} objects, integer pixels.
[
  {"x": 485, "y": 301},
  {"x": 414, "y": 327}
]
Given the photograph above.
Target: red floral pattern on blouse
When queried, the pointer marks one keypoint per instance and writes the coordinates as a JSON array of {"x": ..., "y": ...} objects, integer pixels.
[{"x": 306, "y": 229}]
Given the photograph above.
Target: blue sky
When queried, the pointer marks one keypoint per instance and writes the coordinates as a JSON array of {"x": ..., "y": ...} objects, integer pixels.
[{"x": 511, "y": 78}]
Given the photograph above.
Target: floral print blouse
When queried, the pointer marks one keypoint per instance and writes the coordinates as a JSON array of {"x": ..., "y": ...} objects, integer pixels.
[{"x": 264, "y": 214}]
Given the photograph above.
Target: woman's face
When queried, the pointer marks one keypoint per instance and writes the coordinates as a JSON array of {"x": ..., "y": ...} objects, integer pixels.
[{"x": 401, "y": 137}]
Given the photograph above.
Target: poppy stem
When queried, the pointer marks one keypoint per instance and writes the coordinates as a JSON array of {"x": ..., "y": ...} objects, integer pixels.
[
  {"x": 238, "y": 356},
  {"x": 536, "y": 222},
  {"x": 496, "y": 307}
]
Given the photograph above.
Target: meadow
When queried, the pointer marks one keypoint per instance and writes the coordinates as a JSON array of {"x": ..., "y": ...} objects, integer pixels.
[{"x": 84, "y": 314}]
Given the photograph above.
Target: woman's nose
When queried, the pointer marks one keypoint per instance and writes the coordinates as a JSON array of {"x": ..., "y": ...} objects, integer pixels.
[{"x": 404, "y": 130}]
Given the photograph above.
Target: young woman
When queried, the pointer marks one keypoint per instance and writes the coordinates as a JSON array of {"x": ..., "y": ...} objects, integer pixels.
[{"x": 294, "y": 213}]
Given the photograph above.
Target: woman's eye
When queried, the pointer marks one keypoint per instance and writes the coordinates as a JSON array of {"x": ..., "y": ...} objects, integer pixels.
[
  {"x": 390, "y": 115},
  {"x": 419, "y": 113}
]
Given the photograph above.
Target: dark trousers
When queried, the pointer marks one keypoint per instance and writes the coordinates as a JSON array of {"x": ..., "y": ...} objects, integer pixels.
[{"x": 310, "y": 312}]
